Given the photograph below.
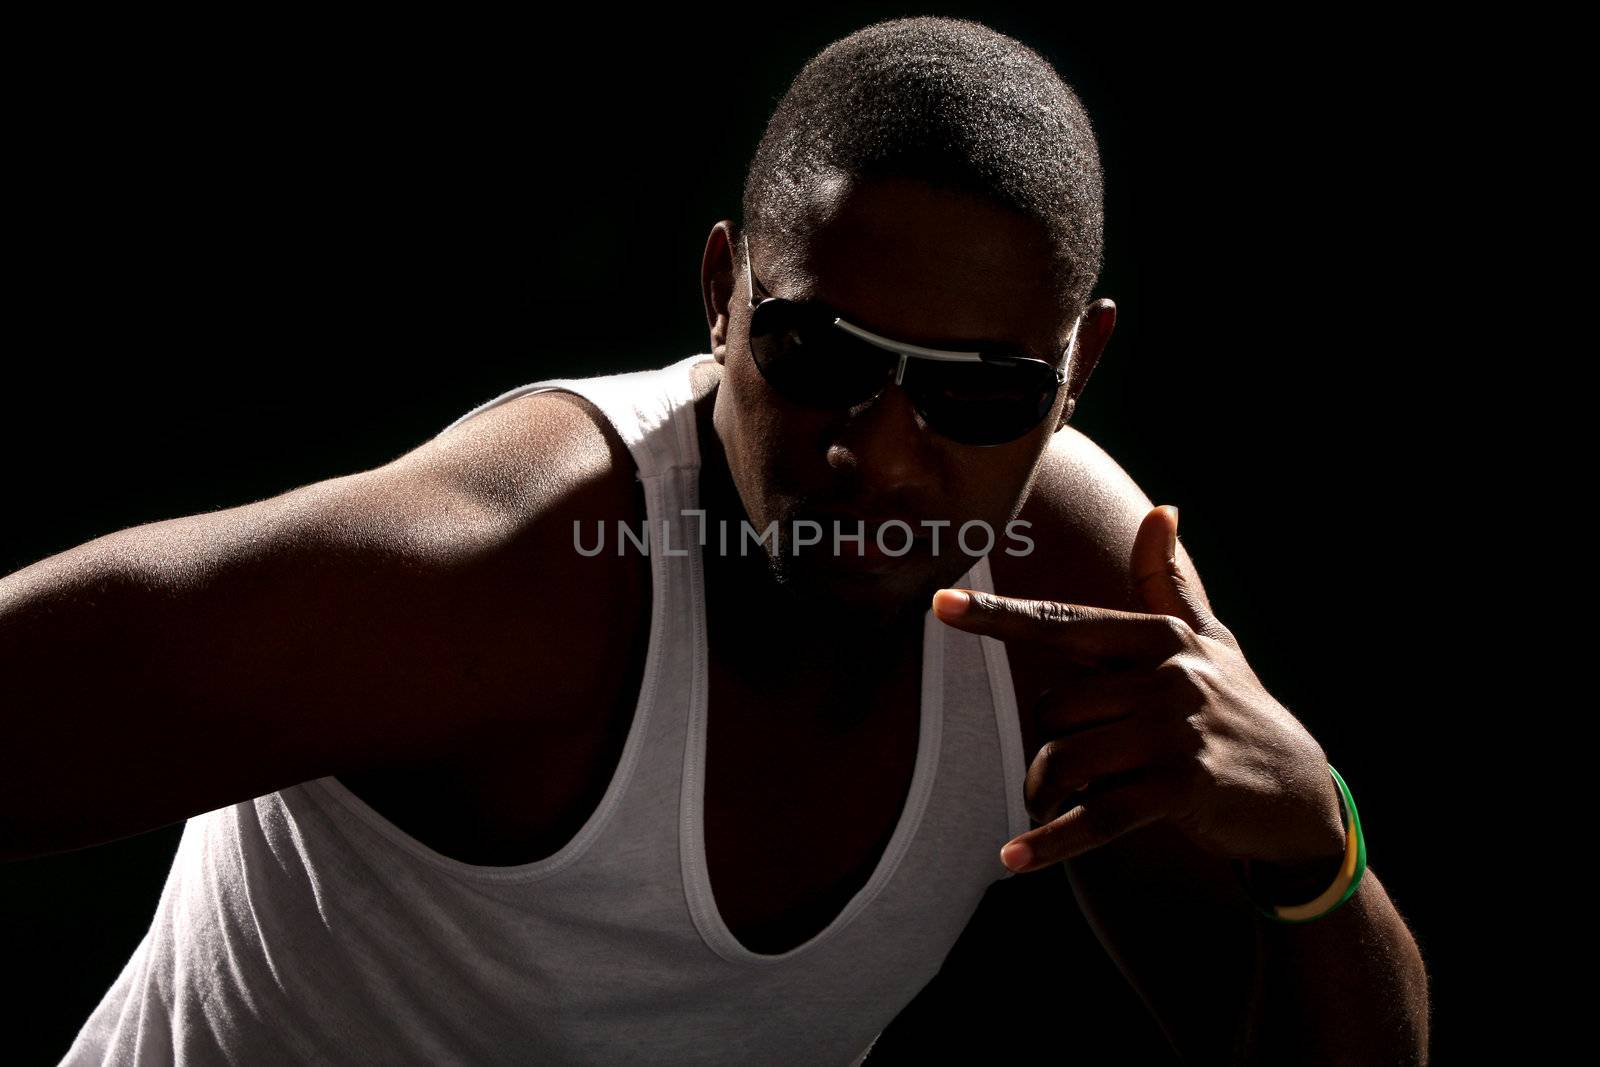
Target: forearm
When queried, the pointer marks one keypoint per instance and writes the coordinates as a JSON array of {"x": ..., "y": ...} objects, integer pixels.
[{"x": 1349, "y": 988}]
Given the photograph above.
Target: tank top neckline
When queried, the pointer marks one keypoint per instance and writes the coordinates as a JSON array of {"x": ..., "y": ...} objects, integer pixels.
[{"x": 708, "y": 919}]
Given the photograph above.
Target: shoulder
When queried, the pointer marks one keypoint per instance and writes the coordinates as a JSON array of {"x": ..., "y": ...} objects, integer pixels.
[
  {"x": 508, "y": 492},
  {"x": 1083, "y": 512},
  {"x": 509, "y": 489},
  {"x": 527, "y": 460}
]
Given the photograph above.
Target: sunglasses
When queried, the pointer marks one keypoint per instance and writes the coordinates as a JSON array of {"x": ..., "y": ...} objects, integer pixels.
[{"x": 812, "y": 357}]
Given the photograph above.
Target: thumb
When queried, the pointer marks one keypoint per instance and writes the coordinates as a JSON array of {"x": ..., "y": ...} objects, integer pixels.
[{"x": 1161, "y": 581}]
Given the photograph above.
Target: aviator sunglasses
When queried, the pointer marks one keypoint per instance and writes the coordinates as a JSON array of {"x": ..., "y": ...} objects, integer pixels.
[{"x": 812, "y": 357}]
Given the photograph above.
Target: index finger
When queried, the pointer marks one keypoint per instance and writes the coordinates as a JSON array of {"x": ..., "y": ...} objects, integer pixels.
[{"x": 1085, "y": 632}]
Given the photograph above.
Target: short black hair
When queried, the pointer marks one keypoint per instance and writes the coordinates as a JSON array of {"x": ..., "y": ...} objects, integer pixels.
[{"x": 949, "y": 102}]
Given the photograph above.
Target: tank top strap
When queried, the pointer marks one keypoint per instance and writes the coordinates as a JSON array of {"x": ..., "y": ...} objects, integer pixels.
[
  {"x": 1004, "y": 701},
  {"x": 639, "y": 404}
]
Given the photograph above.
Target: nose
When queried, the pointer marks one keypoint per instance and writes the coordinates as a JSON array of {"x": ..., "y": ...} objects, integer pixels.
[{"x": 883, "y": 445}]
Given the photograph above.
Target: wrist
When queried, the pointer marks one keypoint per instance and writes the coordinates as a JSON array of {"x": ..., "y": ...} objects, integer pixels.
[
  {"x": 1284, "y": 889},
  {"x": 1297, "y": 879},
  {"x": 1294, "y": 883}
]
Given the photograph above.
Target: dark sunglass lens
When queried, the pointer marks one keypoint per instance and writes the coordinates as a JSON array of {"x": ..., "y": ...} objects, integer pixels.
[
  {"x": 982, "y": 403},
  {"x": 809, "y": 361}
]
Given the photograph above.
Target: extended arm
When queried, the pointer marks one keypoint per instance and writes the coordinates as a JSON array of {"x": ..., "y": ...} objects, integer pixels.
[{"x": 367, "y": 621}]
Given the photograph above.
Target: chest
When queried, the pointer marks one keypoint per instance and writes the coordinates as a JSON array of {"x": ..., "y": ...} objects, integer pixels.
[{"x": 806, "y": 782}]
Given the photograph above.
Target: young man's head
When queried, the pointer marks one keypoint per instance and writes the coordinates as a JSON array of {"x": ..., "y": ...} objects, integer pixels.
[{"x": 936, "y": 186}]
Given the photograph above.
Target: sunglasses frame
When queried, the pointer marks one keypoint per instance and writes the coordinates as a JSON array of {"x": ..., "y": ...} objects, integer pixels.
[{"x": 905, "y": 349}]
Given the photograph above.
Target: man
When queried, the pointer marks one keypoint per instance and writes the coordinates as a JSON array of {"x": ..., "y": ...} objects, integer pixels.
[{"x": 453, "y": 786}]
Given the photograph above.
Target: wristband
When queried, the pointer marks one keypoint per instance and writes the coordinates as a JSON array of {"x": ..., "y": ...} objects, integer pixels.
[{"x": 1344, "y": 883}]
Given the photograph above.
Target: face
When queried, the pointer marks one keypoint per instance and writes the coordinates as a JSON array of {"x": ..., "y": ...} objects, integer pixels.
[{"x": 915, "y": 264}]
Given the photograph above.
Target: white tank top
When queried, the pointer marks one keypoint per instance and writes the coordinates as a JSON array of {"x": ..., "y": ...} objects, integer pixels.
[{"x": 304, "y": 927}]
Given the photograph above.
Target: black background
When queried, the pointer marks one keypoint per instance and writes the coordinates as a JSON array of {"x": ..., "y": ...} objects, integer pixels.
[{"x": 259, "y": 254}]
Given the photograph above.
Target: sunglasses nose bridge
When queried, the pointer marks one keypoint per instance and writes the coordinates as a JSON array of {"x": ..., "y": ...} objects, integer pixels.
[
  {"x": 861, "y": 406},
  {"x": 890, "y": 368},
  {"x": 885, "y": 438}
]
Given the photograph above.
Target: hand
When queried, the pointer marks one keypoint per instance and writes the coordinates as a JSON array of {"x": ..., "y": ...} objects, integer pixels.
[{"x": 1158, "y": 716}]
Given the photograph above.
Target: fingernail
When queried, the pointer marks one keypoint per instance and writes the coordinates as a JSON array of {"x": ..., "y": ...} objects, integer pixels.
[
  {"x": 1172, "y": 540},
  {"x": 1016, "y": 856},
  {"x": 951, "y": 602}
]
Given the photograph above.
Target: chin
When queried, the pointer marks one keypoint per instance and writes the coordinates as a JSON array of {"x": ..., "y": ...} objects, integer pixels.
[{"x": 863, "y": 596}]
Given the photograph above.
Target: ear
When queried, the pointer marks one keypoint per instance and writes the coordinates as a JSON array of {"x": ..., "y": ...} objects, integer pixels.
[
  {"x": 717, "y": 285},
  {"x": 1094, "y": 331}
]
